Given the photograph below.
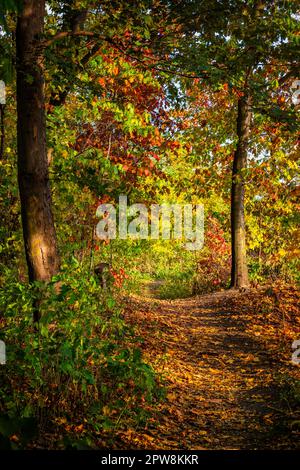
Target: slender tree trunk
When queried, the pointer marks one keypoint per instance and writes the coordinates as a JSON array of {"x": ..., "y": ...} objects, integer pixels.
[
  {"x": 239, "y": 268},
  {"x": 33, "y": 177}
]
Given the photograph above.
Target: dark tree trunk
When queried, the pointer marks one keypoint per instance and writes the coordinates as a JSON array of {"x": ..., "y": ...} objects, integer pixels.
[
  {"x": 33, "y": 177},
  {"x": 239, "y": 268}
]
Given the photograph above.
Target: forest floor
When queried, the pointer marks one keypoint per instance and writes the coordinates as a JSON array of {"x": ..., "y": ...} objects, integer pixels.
[{"x": 225, "y": 359}]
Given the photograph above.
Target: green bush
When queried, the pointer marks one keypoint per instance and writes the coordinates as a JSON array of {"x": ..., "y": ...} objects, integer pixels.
[{"x": 80, "y": 367}]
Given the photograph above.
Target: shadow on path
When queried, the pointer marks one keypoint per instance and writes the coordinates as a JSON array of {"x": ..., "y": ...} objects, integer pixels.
[{"x": 221, "y": 388}]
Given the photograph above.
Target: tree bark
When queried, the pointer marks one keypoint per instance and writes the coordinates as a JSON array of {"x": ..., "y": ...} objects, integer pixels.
[
  {"x": 33, "y": 176},
  {"x": 239, "y": 268}
]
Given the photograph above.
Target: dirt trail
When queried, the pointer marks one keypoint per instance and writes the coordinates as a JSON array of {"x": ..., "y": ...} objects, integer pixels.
[{"x": 221, "y": 389}]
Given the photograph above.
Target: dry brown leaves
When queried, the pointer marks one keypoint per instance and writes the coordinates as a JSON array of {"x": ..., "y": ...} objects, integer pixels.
[{"x": 222, "y": 356}]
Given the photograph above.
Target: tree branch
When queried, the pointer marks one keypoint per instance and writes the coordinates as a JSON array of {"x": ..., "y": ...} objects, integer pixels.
[
  {"x": 65, "y": 34},
  {"x": 291, "y": 73}
]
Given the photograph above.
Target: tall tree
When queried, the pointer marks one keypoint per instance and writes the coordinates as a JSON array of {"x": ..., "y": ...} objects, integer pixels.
[
  {"x": 33, "y": 177},
  {"x": 237, "y": 43},
  {"x": 239, "y": 269}
]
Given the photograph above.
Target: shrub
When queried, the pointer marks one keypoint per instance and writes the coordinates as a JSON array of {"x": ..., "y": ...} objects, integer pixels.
[{"x": 81, "y": 371}]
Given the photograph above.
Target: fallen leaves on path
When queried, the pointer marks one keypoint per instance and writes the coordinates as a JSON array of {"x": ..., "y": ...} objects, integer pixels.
[{"x": 223, "y": 357}]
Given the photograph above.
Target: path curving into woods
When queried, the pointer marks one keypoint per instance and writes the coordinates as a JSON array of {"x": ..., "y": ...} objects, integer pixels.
[{"x": 221, "y": 378}]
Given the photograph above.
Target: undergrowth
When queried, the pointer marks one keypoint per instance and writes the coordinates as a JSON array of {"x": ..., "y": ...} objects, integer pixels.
[{"x": 79, "y": 375}]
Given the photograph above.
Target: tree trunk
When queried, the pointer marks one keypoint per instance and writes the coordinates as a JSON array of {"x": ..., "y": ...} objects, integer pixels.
[
  {"x": 239, "y": 268},
  {"x": 33, "y": 176}
]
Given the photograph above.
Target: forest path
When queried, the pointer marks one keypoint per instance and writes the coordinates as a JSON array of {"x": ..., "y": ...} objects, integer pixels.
[{"x": 220, "y": 377}]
